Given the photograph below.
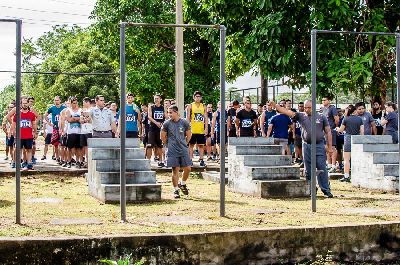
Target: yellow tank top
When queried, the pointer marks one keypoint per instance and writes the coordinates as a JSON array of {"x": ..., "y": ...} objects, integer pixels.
[{"x": 197, "y": 120}]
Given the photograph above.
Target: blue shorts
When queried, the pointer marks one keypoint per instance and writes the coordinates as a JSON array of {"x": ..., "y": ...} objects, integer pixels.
[
  {"x": 10, "y": 141},
  {"x": 27, "y": 143}
]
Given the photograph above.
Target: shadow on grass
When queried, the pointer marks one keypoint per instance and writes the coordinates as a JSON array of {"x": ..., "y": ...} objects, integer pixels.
[
  {"x": 197, "y": 199},
  {"x": 5, "y": 203}
]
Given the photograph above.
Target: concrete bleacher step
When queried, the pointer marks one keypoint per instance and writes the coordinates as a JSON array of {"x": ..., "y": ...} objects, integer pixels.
[
  {"x": 113, "y": 165},
  {"x": 114, "y": 153},
  {"x": 134, "y": 192},
  {"x": 266, "y": 160},
  {"x": 284, "y": 188},
  {"x": 106, "y": 143},
  {"x": 386, "y": 158},
  {"x": 275, "y": 172},
  {"x": 136, "y": 177},
  {"x": 258, "y": 150},
  {"x": 391, "y": 170},
  {"x": 250, "y": 141},
  {"x": 371, "y": 139},
  {"x": 381, "y": 147}
]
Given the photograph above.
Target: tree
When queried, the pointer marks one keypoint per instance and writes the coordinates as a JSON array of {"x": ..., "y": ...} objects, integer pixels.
[
  {"x": 7, "y": 95},
  {"x": 67, "y": 50},
  {"x": 274, "y": 37},
  {"x": 150, "y": 52}
]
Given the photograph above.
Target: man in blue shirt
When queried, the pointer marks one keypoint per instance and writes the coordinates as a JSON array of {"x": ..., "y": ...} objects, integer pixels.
[
  {"x": 133, "y": 115},
  {"x": 279, "y": 129},
  {"x": 55, "y": 112}
]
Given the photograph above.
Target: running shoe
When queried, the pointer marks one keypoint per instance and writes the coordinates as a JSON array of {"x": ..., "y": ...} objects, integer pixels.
[
  {"x": 6, "y": 158},
  {"x": 176, "y": 194},
  {"x": 43, "y": 158},
  {"x": 328, "y": 194},
  {"x": 184, "y": 189},
  {"x": 161, "y": 164},
  {"x": 344, "y": 179},
  {"x": 13, "y": 165},
  {"x": 202, "y": 163},
  {"x": 53, "y": 157},
  {"x": 29, "y": 167},
  {"x": 209, "y": 158}
]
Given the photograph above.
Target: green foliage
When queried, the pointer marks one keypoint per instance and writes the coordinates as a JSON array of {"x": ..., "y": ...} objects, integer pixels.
[
  {"x": 122, "y": 261},
  {"x": 6, "y": 95},
  {"x": 150, "y": 52},
  {"x": 67, "y": 50}
]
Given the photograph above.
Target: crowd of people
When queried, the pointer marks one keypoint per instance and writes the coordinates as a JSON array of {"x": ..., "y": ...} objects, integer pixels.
[{"x": 173, "y": 141}]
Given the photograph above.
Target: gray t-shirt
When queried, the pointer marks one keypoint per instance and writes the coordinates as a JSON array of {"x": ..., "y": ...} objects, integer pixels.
[
  {"x": 392, "y": 125},
  {"x": 176, "y": 137},
  {"x": 330, "y": 112},
  {"x": 352, "y": 124},
  {"x": 101, "y": 119},
  {"x": 305, "y": 122},
  {"x": 367, "y": 119}
]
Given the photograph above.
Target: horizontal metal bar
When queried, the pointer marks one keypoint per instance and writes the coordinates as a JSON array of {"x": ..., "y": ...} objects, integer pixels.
[
  {"x": 355, "y": 32},
  {"x": 130, "y": 24},
  {"x": 57, "y": 73},
  {"x": 9, "y": 20}
]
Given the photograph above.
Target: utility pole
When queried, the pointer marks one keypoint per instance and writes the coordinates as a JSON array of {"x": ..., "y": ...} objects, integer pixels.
[{"x": 179, "y": 66}]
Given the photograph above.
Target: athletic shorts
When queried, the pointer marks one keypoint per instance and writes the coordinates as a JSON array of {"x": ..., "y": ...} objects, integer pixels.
[
  {"x": 347, "y": 143},
  {"x": 63, "y": 140},
  {"x": 232, "y": 132},
  {"x": 10, "y": 141},
  {"x": 334, "y": 137},
  {"x": 146, "y": 139},
  {"x": 198, "y": 139},
  {"x": 339, "y": 143},
  {"x": 154, "y": 139},
  {"x": 181, "y": 161},
  {"x": 74, "y": 140},
  {"x": 132, "y": 135},
  {"x": 298, "y": 142},
  {"x": 281, "y": 141},
  {"x": 27, "y": 143},
  {"x": 47, "y": 139},
  {"x": 212, "y": 140},
  {"x": 218, "y": 138},
  {"x": 290, "y": 138},
  {"x": 83, "y": 139}
]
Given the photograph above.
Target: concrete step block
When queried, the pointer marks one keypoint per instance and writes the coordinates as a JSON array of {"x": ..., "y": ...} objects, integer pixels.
[
  {"x": 391, "y": 170},
  {"x": 113, "y": 165},
  {"x": 266, "y": 160},
  {"x": 137, "y": 177},
  {"x": 381, "y": 147},
  {"x": 371, "y": 139},
  {"x": 112, "y": 142},
  {"x": 114, "y": 153},
  {"x": 258, "y": 149},
  {"x": 213, "y": 176},
  {"x": 134, "y": 192},
  {"x": 386, "y": 158},
  {"x": 250, "y": 141},
  {"x": 275, "y": 173},
  {"x": 284, "y": 188}
]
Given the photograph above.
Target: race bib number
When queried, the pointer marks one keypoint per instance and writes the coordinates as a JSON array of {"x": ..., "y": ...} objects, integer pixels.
[
  {"x": 198, "y": 117},
  {"x": 74, "y": 125},
  {"x": 130, "y": 117},
  {"x": 246, "y": 123},
  {"x": 57, "y": 118},
  {"x": 378, "y": 122},
  {"x": 26, "y": 124},
  {"x": 298, "y": 126},
  {"x": 158, "y": 115}
]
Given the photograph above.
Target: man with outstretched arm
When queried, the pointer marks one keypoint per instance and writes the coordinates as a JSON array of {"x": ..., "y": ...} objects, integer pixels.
[
  {"x": 176, "y": 134},
  {"x": 304, "y": 118}
]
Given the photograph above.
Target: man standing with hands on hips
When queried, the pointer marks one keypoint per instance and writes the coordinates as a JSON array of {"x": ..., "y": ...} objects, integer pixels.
[{"x": 304, "y": 118}]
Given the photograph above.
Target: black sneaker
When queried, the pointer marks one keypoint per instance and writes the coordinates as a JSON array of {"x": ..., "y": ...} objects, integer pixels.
[
  {"x": 344, "y": 179},
  {"x": 202, "y": 163},
  {"x": 69, "y": 165},
  {"x": 161, "y": 164},
  {"x": 78, "y": 165},
  {"x": 328, "y": 194},
  {"x": 43, "y": 158},
  {"x": 176, "y": 194},
  {"x": 65, "y": 164},
  {"x": 53, "y": 157},
  {"x": 209, "y": 158},
  {"x": 184, "y": 189}
]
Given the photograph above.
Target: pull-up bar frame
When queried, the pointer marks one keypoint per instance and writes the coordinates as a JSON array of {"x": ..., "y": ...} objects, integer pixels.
[{"x": 123, "y": 26}]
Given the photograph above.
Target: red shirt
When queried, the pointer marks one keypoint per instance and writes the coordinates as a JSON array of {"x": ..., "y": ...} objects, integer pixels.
[{"x": 27, "y": 119}]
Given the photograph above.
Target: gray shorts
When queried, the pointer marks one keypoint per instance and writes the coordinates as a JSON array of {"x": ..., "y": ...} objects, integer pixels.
[
  {"x": 281, "y": 141},
  {"x": 347, "y": 143},
  {"x": 298, "y": 142},
  {"x": 179, "y": 161}
]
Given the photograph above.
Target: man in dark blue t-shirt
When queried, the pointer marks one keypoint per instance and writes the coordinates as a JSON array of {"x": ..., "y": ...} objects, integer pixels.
[{"x": 279, "y": 129}]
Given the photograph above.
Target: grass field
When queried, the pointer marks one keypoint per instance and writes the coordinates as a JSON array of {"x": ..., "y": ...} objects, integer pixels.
[{"x": 47, "y": 200}]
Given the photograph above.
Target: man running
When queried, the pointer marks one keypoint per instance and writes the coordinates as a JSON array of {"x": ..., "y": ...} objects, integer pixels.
[
  {"x": 156, "y": 117},
  {"x": 196, "y": 115},
  {"x": 175, "y": 134}
]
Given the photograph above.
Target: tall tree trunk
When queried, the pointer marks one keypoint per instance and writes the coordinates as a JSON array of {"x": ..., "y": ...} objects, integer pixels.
[{"x": 264, "y": 87}]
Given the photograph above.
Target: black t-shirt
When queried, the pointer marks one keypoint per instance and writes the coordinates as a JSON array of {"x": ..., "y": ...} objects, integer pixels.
[
  {"x": 377, "y": 118},
  {"x": 246, "y": 119},
  {"x": 232, "y": 114},
  {"x": 157, "y": 114}
]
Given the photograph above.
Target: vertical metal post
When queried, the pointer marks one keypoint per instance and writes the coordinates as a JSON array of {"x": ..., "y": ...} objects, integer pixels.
[
  {"x": 122, "y": 124},
  {"x": 18, "y": 124},
  {"x": 398, "y": 90},
  {"x": 179, "y": 60},
  {"x": 273, "y": 93},
  {"x": 314, "y": 115},
  {"x": 222, "y": 121}
]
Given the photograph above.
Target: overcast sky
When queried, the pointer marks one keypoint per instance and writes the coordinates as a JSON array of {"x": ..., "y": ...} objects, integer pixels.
[{"x": 40, "y": 15}]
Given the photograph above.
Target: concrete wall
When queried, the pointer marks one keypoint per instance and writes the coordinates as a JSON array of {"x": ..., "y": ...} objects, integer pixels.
[{"x": 376, "y": 242}]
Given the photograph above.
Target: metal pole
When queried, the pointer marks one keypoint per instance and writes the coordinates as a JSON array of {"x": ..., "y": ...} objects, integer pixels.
[
  {"x": 398, "y": 89},
  {"x": 122, "y": 124},
  {"x": 314, "y": 115},
  {"x": 222, "y": 121},
  {"x": 18, "y": 125},
  {"x": 179, "y": 64}
]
